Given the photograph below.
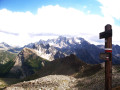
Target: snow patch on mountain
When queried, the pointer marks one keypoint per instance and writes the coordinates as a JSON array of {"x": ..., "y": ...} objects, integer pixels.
[
  {"x": 4, "y": 46},
  {"x": 62, "y": 42},
  {"x": 77, "y": 40},
  {"x": 44, "y": 55}
]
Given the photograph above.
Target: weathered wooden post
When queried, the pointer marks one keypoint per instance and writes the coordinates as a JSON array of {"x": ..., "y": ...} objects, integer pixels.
[{"x": 107, "y": 56}]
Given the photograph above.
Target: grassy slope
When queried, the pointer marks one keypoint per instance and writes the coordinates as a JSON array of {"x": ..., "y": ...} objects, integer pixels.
[
  {"x": 6, "y": 56},
  {"x": 35, "y": 62},
  {"x": 32, "y": 60},
  {"x": 6, "y": 62}
]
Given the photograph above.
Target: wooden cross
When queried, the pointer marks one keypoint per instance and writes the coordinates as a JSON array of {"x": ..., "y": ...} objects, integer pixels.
[{"x": 107, "y": 56}]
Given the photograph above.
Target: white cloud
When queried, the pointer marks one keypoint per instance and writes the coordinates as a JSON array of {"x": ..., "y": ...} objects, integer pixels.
[
  {"x": 50, "y": 19},
  {"x": 111, "y": 8}
]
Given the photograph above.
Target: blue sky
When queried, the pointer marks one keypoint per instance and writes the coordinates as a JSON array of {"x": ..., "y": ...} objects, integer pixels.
[
  {"x": 33, "y": 5},
  {"x": 26, "y": 21}
]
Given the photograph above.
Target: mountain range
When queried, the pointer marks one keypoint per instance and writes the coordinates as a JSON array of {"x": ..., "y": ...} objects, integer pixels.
[
  {"x": 73, "y": 56},
  {"x": 64, "y": 46},
  {"x": 33, "y": 56}
]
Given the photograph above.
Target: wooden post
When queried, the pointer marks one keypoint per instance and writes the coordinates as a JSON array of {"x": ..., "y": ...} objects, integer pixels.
[
  {"x": 107, "y": 56},
  {"x": 108, "y": 63}
]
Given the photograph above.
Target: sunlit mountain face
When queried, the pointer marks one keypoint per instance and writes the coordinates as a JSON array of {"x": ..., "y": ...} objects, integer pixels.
[{"x": 64, "y": 46}]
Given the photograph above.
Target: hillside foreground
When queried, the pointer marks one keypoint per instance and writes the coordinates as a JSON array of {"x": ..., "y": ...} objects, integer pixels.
[
  {"x": 65, "y": 73},
  {"x": 65, "y": 82}
]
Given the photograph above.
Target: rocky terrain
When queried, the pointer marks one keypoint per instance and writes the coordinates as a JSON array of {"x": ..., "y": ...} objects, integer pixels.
[
  {"x": 65, "y": 82},
  {"x": 51, "y": 82}
]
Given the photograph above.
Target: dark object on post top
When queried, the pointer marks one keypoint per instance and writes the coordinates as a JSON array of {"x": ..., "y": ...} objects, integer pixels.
[{"x": 106, "y": 34}]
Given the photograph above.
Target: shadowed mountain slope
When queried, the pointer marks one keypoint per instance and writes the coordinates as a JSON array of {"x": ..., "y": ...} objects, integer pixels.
[
  {"x": 66, "y": 66},
  {"x": 27, "y": 62},
  {"x": 6, "y": 62}
]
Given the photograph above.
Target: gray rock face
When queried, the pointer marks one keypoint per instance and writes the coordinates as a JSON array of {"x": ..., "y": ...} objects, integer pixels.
[
  {"x": 63, "y": 46},
  {"x": 48, "y": 52}
]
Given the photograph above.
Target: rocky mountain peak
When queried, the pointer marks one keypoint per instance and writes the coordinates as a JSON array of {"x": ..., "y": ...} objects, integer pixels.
[{"x": 4, "y": 46}]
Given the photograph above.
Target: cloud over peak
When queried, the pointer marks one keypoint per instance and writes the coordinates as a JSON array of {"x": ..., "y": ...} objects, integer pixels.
[{"x": 50, "y": 19}]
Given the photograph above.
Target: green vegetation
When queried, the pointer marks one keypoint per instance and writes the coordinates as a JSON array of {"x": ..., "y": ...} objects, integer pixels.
[
  {"x": 35, "y": 62},
  {"x": 5, "y": 68},
  {"x": 6, "y": 62},
  {"x": 6, "y": 56}
]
